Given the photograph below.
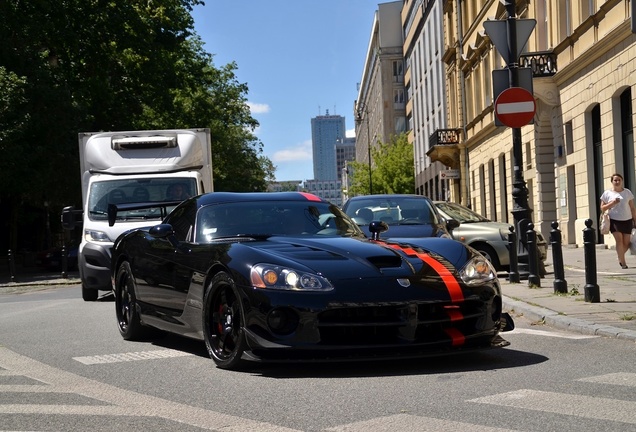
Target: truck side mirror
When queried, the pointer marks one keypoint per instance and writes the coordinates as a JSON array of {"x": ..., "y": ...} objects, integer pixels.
[{"x": 71, "y": 217}]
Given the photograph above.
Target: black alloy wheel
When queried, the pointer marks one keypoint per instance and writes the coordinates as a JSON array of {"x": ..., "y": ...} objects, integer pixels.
[
  {"x": 223, "y": 322},
  {"x": 128, "y": 320}
]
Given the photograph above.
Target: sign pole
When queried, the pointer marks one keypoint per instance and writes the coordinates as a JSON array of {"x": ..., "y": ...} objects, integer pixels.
[{"x": 521, "y": 211}]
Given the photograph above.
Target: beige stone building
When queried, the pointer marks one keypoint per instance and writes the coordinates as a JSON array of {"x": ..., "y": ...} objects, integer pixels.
[{"x": 582, "y": 54}]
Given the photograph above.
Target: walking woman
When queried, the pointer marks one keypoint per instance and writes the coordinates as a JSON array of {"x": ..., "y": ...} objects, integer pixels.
[{"x": 620, "y": 203}]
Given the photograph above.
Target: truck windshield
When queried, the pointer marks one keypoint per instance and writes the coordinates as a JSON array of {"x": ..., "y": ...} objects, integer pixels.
[{"x": 112, "y": 191}]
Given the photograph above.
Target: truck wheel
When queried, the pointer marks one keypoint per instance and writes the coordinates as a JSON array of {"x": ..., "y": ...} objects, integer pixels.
[{"x": 89, "y": 294}]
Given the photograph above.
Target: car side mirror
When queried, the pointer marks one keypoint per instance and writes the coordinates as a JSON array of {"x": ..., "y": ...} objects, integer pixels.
[
  {"x": 71, "y": 218},
  {"x": 451, "y": 224},
  {"x": 161, "y": 231},
  {"x": 377, "y": 227},
  {"x": 164, "y": 231}
]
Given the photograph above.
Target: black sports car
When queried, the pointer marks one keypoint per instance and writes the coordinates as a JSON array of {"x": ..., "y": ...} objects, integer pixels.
[{"x": 287, "y": 276}]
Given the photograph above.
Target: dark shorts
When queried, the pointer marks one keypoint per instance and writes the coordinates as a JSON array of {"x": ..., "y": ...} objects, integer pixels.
[{"x": 624, "y": 227}]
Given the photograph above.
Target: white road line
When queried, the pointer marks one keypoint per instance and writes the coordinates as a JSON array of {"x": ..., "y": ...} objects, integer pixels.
[
  {"x": 566, "y": 404},
  {"x": 550, "y": 334},
  {"x": 131, "y": 356},
  {"x": 406, "y": 422},
  {"x": 619, "y": 378},
  {"x": 117, "y": 401}
]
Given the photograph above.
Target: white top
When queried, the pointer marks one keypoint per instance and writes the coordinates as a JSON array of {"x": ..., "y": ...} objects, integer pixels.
[{"x": 621, "y": 212}]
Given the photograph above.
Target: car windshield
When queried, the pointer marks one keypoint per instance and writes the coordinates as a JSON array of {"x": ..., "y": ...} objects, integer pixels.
[
  {"x": 137, "y": 190},
  {"x": 269, "y": 218},
  {"x": 393, "y": 211},
  {"x": 460, "y": 213}
]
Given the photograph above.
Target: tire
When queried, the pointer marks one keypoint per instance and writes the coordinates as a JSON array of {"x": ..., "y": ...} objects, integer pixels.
[
  {"x": 89, "y": 294},
  {"x": 224, "y": 322},
  {"x": 126, "y": 310},
  {"x": 490, "y": 255}
]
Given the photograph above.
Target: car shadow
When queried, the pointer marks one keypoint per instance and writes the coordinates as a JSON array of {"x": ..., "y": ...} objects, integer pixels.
[{"x": 445, "y": 364}]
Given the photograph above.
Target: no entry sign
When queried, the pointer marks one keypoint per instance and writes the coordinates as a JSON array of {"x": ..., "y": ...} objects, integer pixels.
[{"x": 515, "y": 107}]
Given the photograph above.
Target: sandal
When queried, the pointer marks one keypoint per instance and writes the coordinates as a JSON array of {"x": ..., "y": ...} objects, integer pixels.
[{"x": 623, "y": 266}]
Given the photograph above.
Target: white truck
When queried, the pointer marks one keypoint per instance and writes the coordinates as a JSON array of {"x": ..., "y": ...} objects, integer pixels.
[{"x": 132, "y": 167}]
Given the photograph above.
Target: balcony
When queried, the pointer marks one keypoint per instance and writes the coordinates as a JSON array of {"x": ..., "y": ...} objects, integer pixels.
[
  {"x": 443, "y": 147},
  {"x": 542, "y": 63}
]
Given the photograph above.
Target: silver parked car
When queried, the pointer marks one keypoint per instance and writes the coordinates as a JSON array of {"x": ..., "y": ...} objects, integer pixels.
[{"x": 488, "y": 237}]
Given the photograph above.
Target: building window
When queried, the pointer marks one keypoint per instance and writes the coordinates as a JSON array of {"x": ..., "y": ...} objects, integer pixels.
[
  {"x": 398, "y": 71},
  {"x": 398, "y": 99},
  {"x": 569, "y": 138}
]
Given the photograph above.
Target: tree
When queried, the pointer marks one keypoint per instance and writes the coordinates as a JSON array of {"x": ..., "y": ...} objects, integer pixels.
[
  {"x": 392, "y": 170},
  {"x": 98, "y": 65}
]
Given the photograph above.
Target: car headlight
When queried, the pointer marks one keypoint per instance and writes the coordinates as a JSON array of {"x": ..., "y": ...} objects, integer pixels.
[
  {"x": 284, "y": 278},
  {"x": 96, "y": 236},
  {"x": 477, "y": 271},
  {"x": 504, "y": 233}
]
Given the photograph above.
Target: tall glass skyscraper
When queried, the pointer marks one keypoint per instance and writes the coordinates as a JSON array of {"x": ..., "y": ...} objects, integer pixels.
[{"x": 326, "y": 132}]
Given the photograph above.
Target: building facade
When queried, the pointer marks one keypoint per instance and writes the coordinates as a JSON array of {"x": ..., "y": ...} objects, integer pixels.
[
  {"x": 426, "y": 109},
  {"x": 582, "y": 56},
  {"x": 380, "y": 110},
  {"x": 330, "y": 190}
]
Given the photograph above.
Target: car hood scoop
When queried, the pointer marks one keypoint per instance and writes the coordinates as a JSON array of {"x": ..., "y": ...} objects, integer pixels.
[{"x": 346, "y": 255}]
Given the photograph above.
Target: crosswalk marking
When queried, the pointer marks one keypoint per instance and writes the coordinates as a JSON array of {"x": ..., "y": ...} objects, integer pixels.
[
  {"x": 619, "y": 378},
  {"x": 116, "y": 401},
  {"x": 131, "y": 356},
  {"x": 108, "y": 400},
  {"x": 406, "y": 422},
  {"x": 567, "y": 404},
  {"x": 550, "y": 334}
]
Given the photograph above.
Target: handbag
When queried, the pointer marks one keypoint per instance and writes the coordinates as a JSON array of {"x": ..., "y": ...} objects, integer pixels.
[{"x": 604, "y": 223}]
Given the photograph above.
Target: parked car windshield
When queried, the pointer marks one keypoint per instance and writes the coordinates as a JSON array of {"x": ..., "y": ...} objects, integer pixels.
[
  {"x": 460, "y": 213},
  {"x": 137, "y": 190},
  {"x": 393, "y": 211},
  {"x": 267, "y": 218}
]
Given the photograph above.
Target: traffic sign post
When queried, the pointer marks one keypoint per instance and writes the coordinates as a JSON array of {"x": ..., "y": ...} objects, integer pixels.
[{"x": 515, "y": 107}]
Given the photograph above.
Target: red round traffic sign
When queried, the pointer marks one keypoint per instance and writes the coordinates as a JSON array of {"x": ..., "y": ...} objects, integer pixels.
[{"x": 515, "y": 107}]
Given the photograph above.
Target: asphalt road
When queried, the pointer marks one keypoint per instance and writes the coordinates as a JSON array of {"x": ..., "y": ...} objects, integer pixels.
[{"x": 64, "y": 367}]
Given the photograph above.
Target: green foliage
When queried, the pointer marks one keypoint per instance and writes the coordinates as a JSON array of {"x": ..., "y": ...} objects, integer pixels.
[
  {"x": 101, "y": 65},
  {"x": 392, "y": 169}
]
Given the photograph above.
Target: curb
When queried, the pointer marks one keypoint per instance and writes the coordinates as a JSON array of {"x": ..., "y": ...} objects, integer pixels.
[{"x": 563, "y": 322}]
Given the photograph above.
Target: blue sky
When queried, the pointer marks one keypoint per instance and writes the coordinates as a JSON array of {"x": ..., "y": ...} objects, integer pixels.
[{"x": 299, "y": 59}]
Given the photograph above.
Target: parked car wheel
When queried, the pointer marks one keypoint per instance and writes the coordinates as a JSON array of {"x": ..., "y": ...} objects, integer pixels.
[
  {"x": 223, "y": 322},
  {"x": 489, "y": 253}
]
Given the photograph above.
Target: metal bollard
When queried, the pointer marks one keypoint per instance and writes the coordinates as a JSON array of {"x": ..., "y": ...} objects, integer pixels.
[
  {"x": 64, "y": 261},
  {"x": 592, "y": 293},
  {"x": 533, "y": 257},
  {"x": 513, "y": 271},
  {"x": 11, "y": 266},
  {"x": 556, "y": 241}
]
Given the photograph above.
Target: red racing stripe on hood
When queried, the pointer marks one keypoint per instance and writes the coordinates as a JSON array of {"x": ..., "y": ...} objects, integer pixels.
[{"x": 454, "y": 290}]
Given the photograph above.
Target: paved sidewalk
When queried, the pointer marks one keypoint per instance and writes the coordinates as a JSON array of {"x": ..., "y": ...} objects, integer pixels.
[{"x": 613, "y": 316}]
